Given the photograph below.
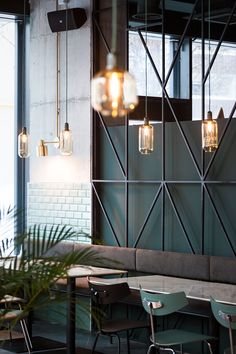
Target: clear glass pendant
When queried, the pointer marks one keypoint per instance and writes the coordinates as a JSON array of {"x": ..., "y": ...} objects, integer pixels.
[
  {"x": 23, "y": 144},
  {"x": 146, "y": 137},
  {"x": 113, "y": 90},
  {"x": 66, "y": 142},
  {"x": 209, "y": 134}
]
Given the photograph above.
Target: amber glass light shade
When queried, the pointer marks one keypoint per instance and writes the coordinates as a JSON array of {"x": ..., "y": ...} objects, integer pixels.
[
  {"x": 66, "y": 142},
  {"x": 146, "y": 137},
  {"x": 209, "y": 133},
  {"x": 113, "y": 90},
  {"x": 42, "y": 149},
  {"x": 23, "y": 144}
]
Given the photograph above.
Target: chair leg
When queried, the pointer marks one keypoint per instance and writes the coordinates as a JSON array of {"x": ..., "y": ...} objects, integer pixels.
[
  {"x": 95, "y": 341},
  {"x": 27, "y": 333},
  {"x": 118, "y": 337},
  {"x": 150, "y": 348},
  {"x": 209, "y": 347},
  {"x": 181, "y": 348},
  {"x": 25, "y": 336},
  {"x": 128, "y": 344}
]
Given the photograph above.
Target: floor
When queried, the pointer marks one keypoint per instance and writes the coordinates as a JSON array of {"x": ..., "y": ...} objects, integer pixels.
[{"x": 83, "y": 339}]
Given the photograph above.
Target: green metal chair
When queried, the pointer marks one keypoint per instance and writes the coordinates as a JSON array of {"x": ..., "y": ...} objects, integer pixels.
[
  {"x": 165, "y": 304},
  {"x": 226, "y": 315}
]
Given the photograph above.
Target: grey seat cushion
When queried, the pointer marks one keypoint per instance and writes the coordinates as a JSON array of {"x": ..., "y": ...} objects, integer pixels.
[
  {"x": 174, "y": 264},
  {"x": 223, "y": 269},
  {"x": 112, "y": 257}
]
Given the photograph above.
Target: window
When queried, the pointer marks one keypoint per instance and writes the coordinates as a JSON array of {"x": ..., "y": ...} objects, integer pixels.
[
  {"x": 7, "y": 112},
  {"x": 222, "y": 78}
]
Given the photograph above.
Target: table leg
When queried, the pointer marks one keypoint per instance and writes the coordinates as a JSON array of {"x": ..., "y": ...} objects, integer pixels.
[
  {"x": 214, "y": 330},
  {"x": 71, "y": 315}
]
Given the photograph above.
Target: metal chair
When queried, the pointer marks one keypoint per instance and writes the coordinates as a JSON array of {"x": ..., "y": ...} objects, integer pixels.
[
  {"x": 226, "y": 315},
  {"x": 10, "y": 315},
  {"x": 165, "y": 304},
  {"x": 105, "y": 295}
]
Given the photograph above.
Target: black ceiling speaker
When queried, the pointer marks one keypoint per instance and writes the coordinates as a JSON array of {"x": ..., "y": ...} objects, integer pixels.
[{"x": 57, "y": 19}]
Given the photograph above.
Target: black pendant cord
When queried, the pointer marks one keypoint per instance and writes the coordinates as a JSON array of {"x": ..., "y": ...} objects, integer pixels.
[
  {"x": 146, "y": 73},
  {"x": 66, "y": 67},
  {"x": 23, "y": 69},
  {"x": 114, "y": 27},
  {"x": 209, "y": 51}
]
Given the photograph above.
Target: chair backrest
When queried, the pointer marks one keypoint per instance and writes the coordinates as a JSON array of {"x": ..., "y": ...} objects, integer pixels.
[
  {"x": 163, "y": 304},
  {"x": 108, "y": 294},
  {"x": 225, "y": 314}
]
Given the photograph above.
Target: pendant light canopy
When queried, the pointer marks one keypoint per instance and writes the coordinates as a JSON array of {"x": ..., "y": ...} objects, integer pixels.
[
  {"x": 23, "y": 144},
  {"x": 209, "y": 133},
  {"x": 66, "y": 142},
  {"x": 146, "y": 132},
  {"x": 209, "y": 125},
  {"x": 113, "y": 90}
]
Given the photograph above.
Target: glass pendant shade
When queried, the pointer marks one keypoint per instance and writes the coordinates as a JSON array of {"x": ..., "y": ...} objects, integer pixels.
[
  {"x": 66, "y": 142},
  {"x": 23, "y": 144},
  {"x": 209, "y": 134},
  {"x": 113, "y": 90},
  {"x": 146, "y": 137}
]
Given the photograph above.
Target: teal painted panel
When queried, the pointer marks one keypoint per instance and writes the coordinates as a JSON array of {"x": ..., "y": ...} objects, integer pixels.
[
  {"x": 224, "y": 167},
  {"x": 113, "y": 199},
  {"x": 187, "y": 200},
  {"x": 223, "y": 196},
  {"x": 179, "y": 164},
  {"x": 141, "y": 166},
  {"x": 141, "y": 197},
  {"x": 109, "y": 167}
]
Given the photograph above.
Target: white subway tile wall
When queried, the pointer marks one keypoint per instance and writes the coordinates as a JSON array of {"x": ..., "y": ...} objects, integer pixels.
[{"x": 61, "y": 204}]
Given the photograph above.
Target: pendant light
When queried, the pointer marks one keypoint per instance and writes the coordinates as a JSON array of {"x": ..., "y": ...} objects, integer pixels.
[
  {"x": 209, "y": 125},
  {"x": 23, "y": 137},
  {"x": 113, "y": 90},
  {"x": 66, "y": 142},
  {"x": 23, "y": 144},
  {"x": 146, "y": 133}
]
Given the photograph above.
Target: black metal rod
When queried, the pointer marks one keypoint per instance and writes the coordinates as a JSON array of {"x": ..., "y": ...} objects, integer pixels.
[
  {"x": 179, "y": 218},
  {"x": 112, "y": 144},
  {"x": 101, "y": 34},
  {"x": 160, "y": 181},
  {"x": 219, "y": 219},
  {"x": 169, "y": 103},
  {"x": 105, "y": 214},
  {"x": 147, "y": 216},
  {"x": 71, "y": 315},
  {"x": 163, "y": 129},
  {"x": 220, "y": 42},
  {"x": 203, "y": 117},
  {"x": 202, "y": 219},
  {"x": 180, "y": 43},
  {"x": 220, "y": 141}
]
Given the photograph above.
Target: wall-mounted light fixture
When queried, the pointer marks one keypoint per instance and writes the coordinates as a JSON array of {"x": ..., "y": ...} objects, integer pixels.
[
  {"x": 146, "y": 134},
  {"x": 113, "y": 90},
  {"x": 209, "y": 125},
  {"x": 63, "y": 139}
]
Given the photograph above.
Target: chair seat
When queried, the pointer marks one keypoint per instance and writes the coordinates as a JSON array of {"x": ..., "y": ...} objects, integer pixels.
[
  {"x": 122, "y": 325},
  {"x": 176, "y": 336},
  {"x": 9, "y": 315}
]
